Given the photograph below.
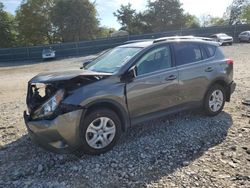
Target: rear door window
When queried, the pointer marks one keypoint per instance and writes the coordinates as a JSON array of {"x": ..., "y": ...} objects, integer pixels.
[{"x": 187, "y": 53}]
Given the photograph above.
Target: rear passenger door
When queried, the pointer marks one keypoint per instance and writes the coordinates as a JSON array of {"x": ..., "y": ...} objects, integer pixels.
[{"x": 195, "y": 65}]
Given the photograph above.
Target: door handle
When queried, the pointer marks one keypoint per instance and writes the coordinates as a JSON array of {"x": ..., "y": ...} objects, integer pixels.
[
  {"x": 209, "y": 69},
  {"x": 171, "y": 77}
]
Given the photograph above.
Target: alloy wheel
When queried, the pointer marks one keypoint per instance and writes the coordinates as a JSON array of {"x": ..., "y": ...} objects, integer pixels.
[
  {"x": 100, "y": 132},
  {"x": 216, "y": 100}
]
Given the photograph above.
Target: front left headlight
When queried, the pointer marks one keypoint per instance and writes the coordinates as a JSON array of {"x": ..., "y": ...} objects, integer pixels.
[{"x": 48, "y": 108}]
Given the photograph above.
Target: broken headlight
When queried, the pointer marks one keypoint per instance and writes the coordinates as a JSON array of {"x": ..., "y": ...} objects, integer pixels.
[{"x": 50, "y": 105}]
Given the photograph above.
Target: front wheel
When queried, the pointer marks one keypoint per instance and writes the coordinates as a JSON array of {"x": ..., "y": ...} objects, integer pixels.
[
  {"x": 99, "y": 131},
  {"x": 214, "y": 100}
]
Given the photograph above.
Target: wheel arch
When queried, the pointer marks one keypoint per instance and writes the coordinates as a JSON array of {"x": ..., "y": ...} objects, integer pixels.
[
  {"x": 112, "y": 105},
  {"x": 222, "y": 82}
]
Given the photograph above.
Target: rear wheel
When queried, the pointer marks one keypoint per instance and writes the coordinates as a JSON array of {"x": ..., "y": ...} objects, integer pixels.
[
  {"x": 214, "y": 100},
  {"x": 99, "y": 131}
]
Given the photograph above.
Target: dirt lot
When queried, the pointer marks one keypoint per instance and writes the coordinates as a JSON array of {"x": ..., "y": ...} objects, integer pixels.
[{"x": 183, "y": 150}]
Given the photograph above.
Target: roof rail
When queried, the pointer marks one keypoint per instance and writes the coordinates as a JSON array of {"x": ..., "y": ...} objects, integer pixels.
[
  {"x": 140, "y": 40},
  {"x": 181, "y": 38}
]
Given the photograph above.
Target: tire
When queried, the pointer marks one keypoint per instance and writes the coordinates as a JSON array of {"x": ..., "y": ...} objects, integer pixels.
[
  {"x": 230, "y": 43},
  {"x": 99, "y": 131},
  {"x": 214, "y": 100}
]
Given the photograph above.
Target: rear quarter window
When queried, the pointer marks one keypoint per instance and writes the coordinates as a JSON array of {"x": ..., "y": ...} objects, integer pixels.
[
  {"x": 203, "y": 52},
  {"x": 219, "y": 53},
  {"x": 210, "y": 50}
]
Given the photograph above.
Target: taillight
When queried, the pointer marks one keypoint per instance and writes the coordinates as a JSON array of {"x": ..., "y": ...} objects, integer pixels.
[{"x": 230, "y": 62}]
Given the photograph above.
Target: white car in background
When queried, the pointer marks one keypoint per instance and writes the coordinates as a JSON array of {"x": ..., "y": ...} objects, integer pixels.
[
  {"x": 48, "y": 54},
  {"x": 222, "y": 38}
]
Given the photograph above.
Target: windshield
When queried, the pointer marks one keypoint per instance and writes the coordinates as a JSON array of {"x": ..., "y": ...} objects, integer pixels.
[
  {"x": 47, "y": 51},
  {"x": 222, "y": 35},
  {"x": 111, "y": 61}
]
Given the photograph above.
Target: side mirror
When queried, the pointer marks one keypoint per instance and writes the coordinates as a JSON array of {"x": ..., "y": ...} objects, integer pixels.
[
  {"x": 130, "y": 74},
  {"x": 84, "y": 64}
]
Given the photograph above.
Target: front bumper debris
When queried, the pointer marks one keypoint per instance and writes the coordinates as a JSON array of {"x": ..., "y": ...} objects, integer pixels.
[{"x": 60, "y": 134}]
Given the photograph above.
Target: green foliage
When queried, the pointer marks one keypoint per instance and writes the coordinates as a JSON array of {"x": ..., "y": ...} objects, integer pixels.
[
  {"x": 105, "y": 32},
  {"x": 191, "y": 21},
  {"x": 75, "y": 20},
  {"x": 34, "y": 24},
  {"x": 246, "y": 14},
  {"x": 129, "y": 19},
  {"x": 161, "y": 15},
  {"x": 141, "y": 24},
  {"x": 125, "y": 16},
  {"x": 7, "y": 30},
  {"x": 216, "y": 21},
  {"x": 165, "y": 15},
  {"x": 50, "y": 21},
  {"x": 208, "y": 21},
  {"x": 234, "y": 11}
]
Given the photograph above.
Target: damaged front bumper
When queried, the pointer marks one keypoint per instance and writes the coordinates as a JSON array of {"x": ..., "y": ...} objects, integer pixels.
[{"x": 60, "y": 134}]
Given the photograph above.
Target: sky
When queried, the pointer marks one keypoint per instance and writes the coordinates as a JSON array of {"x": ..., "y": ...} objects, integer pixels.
[{"x": 105, "y": 8}]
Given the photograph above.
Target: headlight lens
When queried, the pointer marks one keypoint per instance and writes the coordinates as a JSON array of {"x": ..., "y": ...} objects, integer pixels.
[
  {"x": 50, "y": 106},
  {"x": 41, "y": 88}
]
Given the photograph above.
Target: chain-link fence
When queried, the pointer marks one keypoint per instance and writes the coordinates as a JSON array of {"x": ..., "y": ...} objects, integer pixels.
[{"x": 34, "y": 53}]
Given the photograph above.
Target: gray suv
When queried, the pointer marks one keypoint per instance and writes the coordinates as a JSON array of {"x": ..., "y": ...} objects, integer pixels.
[
  {"x": 91, "y": 108},
  {"x": 244, "y": 36}
]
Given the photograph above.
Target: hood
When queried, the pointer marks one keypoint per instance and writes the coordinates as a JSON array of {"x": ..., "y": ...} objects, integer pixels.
[{"x": 64, "y": 76}]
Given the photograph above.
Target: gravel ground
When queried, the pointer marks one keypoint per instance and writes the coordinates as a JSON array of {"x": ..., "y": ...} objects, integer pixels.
[{"x": 182, "y": 150}]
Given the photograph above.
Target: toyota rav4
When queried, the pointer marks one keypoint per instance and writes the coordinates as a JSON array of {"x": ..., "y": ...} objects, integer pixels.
[{"x": 135, "y": 82}]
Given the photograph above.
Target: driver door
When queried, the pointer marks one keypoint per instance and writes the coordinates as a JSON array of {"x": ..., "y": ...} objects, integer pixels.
[{"x": 156, "y": 85}]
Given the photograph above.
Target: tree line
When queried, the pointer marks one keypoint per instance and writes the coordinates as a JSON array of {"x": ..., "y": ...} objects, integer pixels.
[
  {"x": 162, "y": 15},
  {"x": 55, "y": 21}
]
